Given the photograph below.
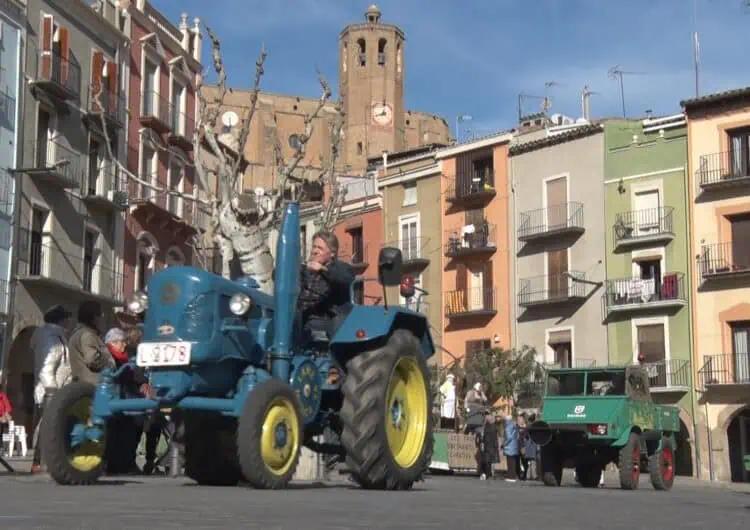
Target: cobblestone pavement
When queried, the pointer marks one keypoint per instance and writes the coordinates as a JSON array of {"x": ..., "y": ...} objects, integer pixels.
[{"x": 439, "y": 502}]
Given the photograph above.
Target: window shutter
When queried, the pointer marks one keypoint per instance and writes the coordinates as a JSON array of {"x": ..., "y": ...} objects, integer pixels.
[
  {"x": 64, "y": 55},
  {"x": 97, "y": 64},
  {"x": 47, "y": 24},
  {"x": 112, "y": 85}
]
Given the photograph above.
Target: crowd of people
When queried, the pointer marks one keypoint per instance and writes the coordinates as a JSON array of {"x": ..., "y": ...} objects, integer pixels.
[{"x": 68, "y": 349}]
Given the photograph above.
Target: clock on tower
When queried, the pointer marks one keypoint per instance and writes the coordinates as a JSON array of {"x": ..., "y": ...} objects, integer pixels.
[{"x": 382, "y": 114}]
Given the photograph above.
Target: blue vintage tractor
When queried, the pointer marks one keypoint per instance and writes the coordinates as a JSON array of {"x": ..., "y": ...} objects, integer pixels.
[{"x": 225, "y": 359}]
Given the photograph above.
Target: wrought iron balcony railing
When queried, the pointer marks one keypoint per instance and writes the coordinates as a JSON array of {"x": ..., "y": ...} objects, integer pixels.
[
  {"x": 467, "y": 302},
  {"x": 182, "y": 129},
  {"x": 106, "y": 186},
  {"x": 626, "y": 293},
  {"x": 550, "y": 289},
  {"x": 668, "y": 374},
  {"x": 643, "y": 225},
  {"x": 720, "y": 170},
  {"x": 414, "y": 251},
  {"x": 559, "y": 219},
  {"x": 45, "y": 262},
  {"x": 112, "y": 105},
  {"x": 725, "y": 369},
  {"x": 58, "y": 164},
  {"x": 469, "y": 240},
  {"x": 724, "y": 260},
  {"x": 471, "y": 186},
  {"x": 155, "y": 111},
  {"x": 420, "y": 307},
  {"x": 58, "y": 75}
]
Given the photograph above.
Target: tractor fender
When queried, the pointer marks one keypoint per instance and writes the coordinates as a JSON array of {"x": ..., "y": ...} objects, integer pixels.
[
  {"x": 625, "y": 436},
  {"x": 366, "y": 327}
]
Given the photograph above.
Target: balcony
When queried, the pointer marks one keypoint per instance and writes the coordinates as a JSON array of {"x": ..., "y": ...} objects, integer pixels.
[
  {"x": 48, "y": 266},
  {"x": 165, "y": 209},
  {"x": 579, "y": 362},
  {"x": 155, "y": 112},
  {"x": 552, "y": 289},
  {"x": 722, "y": 171},
  {"x": 471, "y": 188},
  {"x": 413, "y": 252},
  {"x": 470, "y": 302},
  {"x": 57, "y": 76},
  {"x": 471, "y": 240},
  {"x": 4, "y": 297},
  {"x": 106, "y": 188},
  {"x": 412, "y": 304},
  {"x": 717, "y": 261},
  {"x": 643, "y": 227},
  {"x": 725, "y": 369},
  {"x": 182, "y": 130},
  {"x": 112, "y": 107},
  {"x": 668, "y": 375},
  {"x": 559, "y": 220},
  {"x": 633, "y": 294},
  {"x": 57, "y": 164}
]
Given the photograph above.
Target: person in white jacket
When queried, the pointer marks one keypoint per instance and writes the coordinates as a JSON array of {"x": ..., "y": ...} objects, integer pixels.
[{"x": 51, "y": 365}]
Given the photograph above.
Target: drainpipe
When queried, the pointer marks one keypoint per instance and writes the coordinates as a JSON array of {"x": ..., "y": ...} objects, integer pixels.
[
  {"x": 710, "y": 446},
  {"x": 514, "y": 259}
]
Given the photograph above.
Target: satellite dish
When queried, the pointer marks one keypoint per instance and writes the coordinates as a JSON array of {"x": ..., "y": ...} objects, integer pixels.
[{"x": 230, "y": 118}]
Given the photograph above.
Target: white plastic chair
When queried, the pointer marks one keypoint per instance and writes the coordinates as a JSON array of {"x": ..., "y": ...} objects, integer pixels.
[{"x": 20, "y": 433}]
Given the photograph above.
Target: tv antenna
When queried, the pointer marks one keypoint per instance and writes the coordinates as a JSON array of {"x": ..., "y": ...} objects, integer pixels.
[
  {"x": 586, "y": 94},
  {"x": 617, "y": 73},
  {"x": 546, "y": 100}
]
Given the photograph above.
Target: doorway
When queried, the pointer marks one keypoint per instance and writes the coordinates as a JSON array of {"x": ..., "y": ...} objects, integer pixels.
[{"x": 738, "y": 436}]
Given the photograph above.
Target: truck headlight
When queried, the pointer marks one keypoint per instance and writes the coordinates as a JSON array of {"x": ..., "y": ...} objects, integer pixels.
[
  {"x": 240, "y": 304},
  {"x": 137, "y": 303}
]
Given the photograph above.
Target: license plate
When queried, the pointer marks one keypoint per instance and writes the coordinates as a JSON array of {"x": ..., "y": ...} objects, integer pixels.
[{"x": 163, "y": 354}]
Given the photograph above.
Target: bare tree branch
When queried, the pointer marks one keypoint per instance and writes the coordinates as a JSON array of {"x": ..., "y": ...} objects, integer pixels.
[{"x": 247, "y": 122}]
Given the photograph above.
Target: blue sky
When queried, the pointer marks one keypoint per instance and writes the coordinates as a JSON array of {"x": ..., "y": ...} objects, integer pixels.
[{"x": 475, "y": 61}]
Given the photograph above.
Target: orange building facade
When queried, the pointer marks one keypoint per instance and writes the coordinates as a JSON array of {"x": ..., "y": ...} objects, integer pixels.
[{"x": 476, "y": 247}]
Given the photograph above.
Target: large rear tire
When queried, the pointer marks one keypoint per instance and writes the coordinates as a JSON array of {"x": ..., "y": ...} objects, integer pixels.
[
  {"x": 387, "y": 415},
  {"x": 589, "y": 473},
  {"x": 211, "y": 449},
  {"x": 552, "y": 466},
  {"x": 71, "y": 463},
  {"x": 630, "y": 463},
  {"x": 661, "y": 466},
  {"x": 270, "y": 435}
]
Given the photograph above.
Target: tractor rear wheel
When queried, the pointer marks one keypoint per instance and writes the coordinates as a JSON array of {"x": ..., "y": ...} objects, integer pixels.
[
  {"x": 71, "y": 459},
  {"x": 211, "y": 449},
  {"x": 387, "y": 415},
  {"x": 270, "y": 435},
  {"x": 589, "y": 473},
  {"x": 661, "y": 466},
  {"x": 552, "y": 466},
  {"x": 630, "y": 463}
]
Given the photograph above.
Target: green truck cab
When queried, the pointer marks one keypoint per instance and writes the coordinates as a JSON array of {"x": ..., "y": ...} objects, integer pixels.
[{"x": 591, "y": 417}]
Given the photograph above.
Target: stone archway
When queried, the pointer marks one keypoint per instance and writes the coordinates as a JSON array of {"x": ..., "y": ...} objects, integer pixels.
[
  {"x": 20, "y": 378},
  {"x": 738, "y": 444},
  {"x": 721, "y": 442},
  {"x": 685, "y": 450}
]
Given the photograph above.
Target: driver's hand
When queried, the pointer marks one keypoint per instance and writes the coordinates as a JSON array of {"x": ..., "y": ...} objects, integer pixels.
[{"x": 315, "y": 266}]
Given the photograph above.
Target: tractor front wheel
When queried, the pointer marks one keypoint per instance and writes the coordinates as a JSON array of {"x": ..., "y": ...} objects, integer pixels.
[
  {"x": 269, "y": 435},
  {"x": 630, "y": 463},
  {"x": 71, "y": 457},
  {"x": 661, "y": 466},
  {"x": 387, "y": 415}
]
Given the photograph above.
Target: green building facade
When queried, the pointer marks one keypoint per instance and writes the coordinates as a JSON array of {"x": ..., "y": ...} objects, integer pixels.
[{"x": 646, "y": 301}]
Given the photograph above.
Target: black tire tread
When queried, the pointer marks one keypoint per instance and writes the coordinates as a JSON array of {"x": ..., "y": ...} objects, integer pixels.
[
  {"x": 589, "y": 474},
  {"x": 53, "y": 433},
  {"x": 551, "y": 467},
  {"x": 625, "y": 462},
  {"x": 363, "y": 435},
  {"x": 655, "y": 465},
  {"x": 249, "y": 433}
]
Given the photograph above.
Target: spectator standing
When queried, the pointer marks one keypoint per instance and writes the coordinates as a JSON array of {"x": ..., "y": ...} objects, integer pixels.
[
  {"x": 510, "y": 447},
  {"x": 52, "y": 367},
  {"x": 88, "y": 353}
]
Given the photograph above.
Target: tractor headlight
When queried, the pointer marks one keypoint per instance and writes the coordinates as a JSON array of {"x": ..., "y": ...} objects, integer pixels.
[
  {"x": 240, "y": 304},
  {"x": 137, "y": 303}
]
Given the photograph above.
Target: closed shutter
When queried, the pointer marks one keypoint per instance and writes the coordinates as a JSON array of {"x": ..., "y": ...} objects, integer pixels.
[
  {"x": 47, "y": 25},
  {"x": 65, "y": 58},
  {"x": 97, "y": 66},
  {"x": 557, "y": 207}
]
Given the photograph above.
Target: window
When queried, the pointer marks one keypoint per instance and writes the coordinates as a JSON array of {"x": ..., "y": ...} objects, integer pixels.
[
  {"x": 650, "y": 272},
  {"x": 566, "y": 384},
  {"x": 96, "y": 162},
  {"x": 382, "y": 43},
  {"x": 410, "y": 194},
  {"x": 38, "y": 253},
  {"x": 561, "y": 345},
  {"x": 358, "y": 246},
  {"x": 647, "y": 204},
  {"x": 740, "y": 241},
  {"x": 362, "y": 52},
  {"x": 409, "y": 238},
  {"x": 150, "y": 89},
  {"x": 294, "y": 141},
  {"x": 483, "y": 169},
  {"x": 557, "y": 267},
  {"x": 45, "y": 153},
  {"x": 557, "y": 203},
  {"x": 652, "y": 352},
  {"x": 359, "y": 148},
  {"x": 178, "y": 108},
  {"x": 148, "y": 170},
  {"x": 739, "y": 152},
  {"x": 478, "y": 346},
  {"x": 176, "y": 183},
  {"x": 741, "y": 351},
  {"x": 89, "y": 259}
]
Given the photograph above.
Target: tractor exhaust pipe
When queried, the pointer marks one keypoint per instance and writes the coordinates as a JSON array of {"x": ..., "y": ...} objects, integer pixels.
[{"x": 540, "y": 433}]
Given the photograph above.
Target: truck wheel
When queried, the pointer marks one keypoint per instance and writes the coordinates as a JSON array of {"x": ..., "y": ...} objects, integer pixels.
[
  {"x": 68, "y": 413},
  {"x": 269, "y": 435},
  {"x": 630, "y": 463},
  {"x": 588, "y": 474},
  {"x": 386, "y": 415},
  {"x": 211, "y": 449},
  {"x": 551, "y": 467},
  {"x": 661, "y": 466}
]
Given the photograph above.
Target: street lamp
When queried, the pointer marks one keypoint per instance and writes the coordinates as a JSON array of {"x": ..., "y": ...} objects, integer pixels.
[{"x": 459, "y": 119}]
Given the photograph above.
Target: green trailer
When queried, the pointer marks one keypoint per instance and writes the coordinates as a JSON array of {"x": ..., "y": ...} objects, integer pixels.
[{"x": 591, "y": 417}]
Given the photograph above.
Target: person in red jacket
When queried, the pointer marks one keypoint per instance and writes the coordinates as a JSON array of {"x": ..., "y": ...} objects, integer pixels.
[{"x": 5, "y": 410}]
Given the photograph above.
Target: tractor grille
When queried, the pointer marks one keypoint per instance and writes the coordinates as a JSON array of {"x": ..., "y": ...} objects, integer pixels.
[{"x": 198, "y": 319}]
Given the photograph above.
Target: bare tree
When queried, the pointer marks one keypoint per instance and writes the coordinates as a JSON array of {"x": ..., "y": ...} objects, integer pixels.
[{"x": 240, "y": 222}]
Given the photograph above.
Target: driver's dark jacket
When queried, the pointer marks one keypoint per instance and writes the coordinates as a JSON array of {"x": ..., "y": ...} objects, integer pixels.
[{"x": 323, "y": 293}]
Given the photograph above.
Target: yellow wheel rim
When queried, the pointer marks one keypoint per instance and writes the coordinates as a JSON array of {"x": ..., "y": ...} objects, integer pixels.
[
  {"x": 406, "y": 412},
  {"x": 89, "y": 454},
  {"x": 279, "y": 442}
]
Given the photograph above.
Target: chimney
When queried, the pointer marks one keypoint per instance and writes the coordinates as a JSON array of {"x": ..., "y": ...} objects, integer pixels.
[
  {"x": 197, "y": 39},
  {"x": 586, "y": 103},
  {"x": 185, "y": 43}
]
